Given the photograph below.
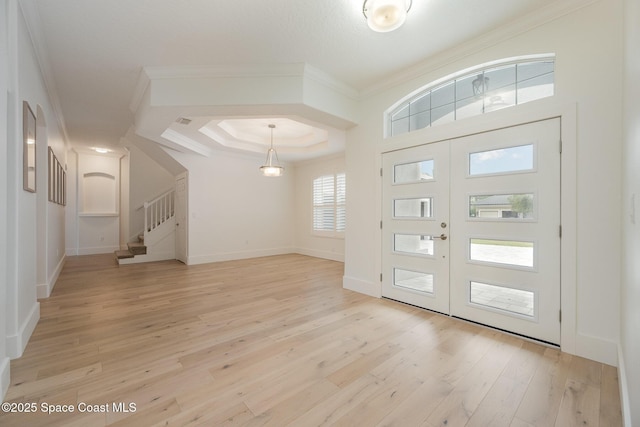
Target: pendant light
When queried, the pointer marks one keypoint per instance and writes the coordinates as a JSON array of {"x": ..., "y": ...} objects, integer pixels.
[{"x": 270, "y": 169}]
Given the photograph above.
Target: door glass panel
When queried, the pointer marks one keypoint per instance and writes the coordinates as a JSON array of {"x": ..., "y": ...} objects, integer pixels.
[
  {"x": 501, "y": 206},
  {"x": 414, "y": 280},
  {"x": 413, "y": 208},
  {"x": 503, "y": 298},
  {"x": 416, "y": 244},
  {"x": 502, "y": 160},
  {"x": 413, "y": 172},
  {"x": 508, "y": 252}
]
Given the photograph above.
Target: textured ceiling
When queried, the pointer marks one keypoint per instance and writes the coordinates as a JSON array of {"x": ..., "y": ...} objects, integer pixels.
[{"x": 97, "y": 48}]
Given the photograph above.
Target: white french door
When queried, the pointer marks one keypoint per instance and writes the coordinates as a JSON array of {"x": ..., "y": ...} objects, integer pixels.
[
  {"x": 471, "y": 228},
  {"x": 415, "y": 226}
]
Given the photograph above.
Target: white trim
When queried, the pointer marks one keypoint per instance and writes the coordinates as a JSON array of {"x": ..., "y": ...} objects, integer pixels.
[
  {"x": 465, "y": 73},
  {"x": 333, "y": 256},
  {"x": 361, "y": 286},
  {"x": 625, "y": 401},
  {"x": 231, "y": 256},
  {"x": 71, "y": 252},
  {"x": 17, "y": 343},
  {"x": 5, "y": 379},
  {"x": 542, "y": 109},
  {"x": 98, "y": 250},
  {"x": 44, "y": 290},
  {"x": 596, "y": 348}
]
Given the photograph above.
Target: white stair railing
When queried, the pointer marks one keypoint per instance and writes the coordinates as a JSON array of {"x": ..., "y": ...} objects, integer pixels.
[{"x": 158, "y": 211}]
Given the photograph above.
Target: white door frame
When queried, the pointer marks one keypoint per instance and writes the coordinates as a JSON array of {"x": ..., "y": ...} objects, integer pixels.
[
  {"x": 518, "y": 115},
  {"x": 182, "y": 225}
]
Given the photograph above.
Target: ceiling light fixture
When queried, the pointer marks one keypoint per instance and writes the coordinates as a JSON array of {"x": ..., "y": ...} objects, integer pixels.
[
  {"x": 102, "y": 150},
  {"x": 385, "y": 15},
  {"x": 270, "y": 169}
]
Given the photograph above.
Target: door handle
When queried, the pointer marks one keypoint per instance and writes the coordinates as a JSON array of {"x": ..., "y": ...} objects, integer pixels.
[{"x": 441, "y": 237}]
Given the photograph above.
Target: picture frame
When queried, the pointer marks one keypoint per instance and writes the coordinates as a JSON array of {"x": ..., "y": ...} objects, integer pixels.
[
  {"x": 29, "y": 148},
  {"x": 57, "y": 180}
]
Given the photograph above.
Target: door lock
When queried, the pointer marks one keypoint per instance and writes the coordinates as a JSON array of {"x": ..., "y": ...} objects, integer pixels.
[{"x": 441, "y": 237}]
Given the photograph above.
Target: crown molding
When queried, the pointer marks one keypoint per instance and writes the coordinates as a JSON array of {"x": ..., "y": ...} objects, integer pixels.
[
  {"x": 327, "y": 80},
  {"x": 513, "y": 28},
  {"x": 302, "y": 70},
  {"x": 34, "y": 24}
]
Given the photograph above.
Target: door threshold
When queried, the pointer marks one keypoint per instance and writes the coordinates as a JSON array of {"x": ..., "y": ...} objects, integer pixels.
[{"x": 514, "y": 334}]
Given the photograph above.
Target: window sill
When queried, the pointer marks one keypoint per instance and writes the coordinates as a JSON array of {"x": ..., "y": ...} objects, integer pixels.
[{"x": 328, "y": 235}]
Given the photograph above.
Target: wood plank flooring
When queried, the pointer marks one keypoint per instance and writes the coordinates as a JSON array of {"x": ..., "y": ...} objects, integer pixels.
[{"x": 276, "y": 341}]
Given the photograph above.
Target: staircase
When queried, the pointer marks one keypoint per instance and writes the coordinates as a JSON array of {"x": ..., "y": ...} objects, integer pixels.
[{"x": 157, "y": 241}]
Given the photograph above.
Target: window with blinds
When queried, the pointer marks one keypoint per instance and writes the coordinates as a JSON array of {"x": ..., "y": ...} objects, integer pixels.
[{"x": 329, "y": 199}]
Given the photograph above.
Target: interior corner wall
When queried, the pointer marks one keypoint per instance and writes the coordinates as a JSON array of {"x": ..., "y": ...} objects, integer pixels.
[
  {"x": 588, "y": 48},
  {"x": 234, "y": 211},
  {"x": 148, "y": 180},
  {"x": 630, "y": 295},
  {"x": 306, "y": 242}
]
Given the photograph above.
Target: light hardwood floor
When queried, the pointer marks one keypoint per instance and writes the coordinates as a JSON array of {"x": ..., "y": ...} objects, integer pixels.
[{"x": 276, "y": 341}]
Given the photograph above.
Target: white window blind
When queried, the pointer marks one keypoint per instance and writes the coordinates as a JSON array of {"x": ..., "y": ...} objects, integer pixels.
[{"x": 329, "y": 199}]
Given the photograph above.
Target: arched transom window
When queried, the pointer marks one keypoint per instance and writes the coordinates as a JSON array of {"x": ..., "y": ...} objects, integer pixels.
[{"x": 469, "y": 93}]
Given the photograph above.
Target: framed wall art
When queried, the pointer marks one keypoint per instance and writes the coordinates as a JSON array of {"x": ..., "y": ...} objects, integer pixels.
[{"x": 57, "y": 180}]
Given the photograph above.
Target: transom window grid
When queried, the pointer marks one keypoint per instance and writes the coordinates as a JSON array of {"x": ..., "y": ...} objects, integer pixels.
[
  {"x": 329, "y": 205},
  {"x": 473, "y": 94}
]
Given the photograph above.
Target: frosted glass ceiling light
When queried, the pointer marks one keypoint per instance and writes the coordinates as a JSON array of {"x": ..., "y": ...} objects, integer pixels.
[
  {"x": 385, "y": 15},
  {"x": 270, "y": 169}
]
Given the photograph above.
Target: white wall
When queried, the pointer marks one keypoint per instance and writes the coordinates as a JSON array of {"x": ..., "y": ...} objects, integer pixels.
[
  {"x": 306, "y": 242},
  {"x": 148, "y": 180},
  {"x": 4, "y": 87},
  {"x": 235, "y": 212},
  {"x": 71, "y": 209},
  {"x": 588, "y": 44},
  {"x": 33, "y": 236},
  {"x": 98, "y": 211},
  {"x": 630, "y": 296}
]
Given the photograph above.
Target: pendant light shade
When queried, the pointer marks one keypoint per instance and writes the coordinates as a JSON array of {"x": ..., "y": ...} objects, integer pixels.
[
  {"x": 385, "y": 15},
  {"x": 271, "y": 168}
]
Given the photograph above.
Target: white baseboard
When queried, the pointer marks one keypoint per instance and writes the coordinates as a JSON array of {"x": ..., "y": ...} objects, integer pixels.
[
  {"x": 361, "y": 286},
  {"x": 4, "y": 377},
  {"x": 17, "y": 343},
  {"x": 230, "y": 256},
  {"x": 333, "y": 256},
  {"x": 624, "y": 389},
  {"x": 71, "y": 252},
  {"x": 597, "y": 349},
  {"x": 98, "y": 250},
  {"x": 44, "y": 290}
]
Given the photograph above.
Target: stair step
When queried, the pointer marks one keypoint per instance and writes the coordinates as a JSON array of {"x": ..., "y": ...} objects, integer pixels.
[
  {"x": 123, "y": 254},
  {"x": 137, "y": 248}
]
